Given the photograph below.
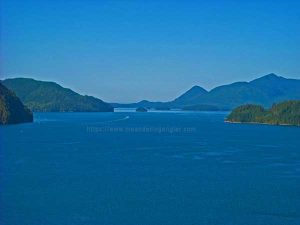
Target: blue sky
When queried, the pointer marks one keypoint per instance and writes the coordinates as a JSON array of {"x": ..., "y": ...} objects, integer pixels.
[{"x": 125, "y": 51}]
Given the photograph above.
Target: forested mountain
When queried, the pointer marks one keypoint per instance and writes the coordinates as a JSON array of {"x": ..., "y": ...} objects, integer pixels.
[
  {"x": 11, "y": 108},
  {"x": 51, "y": 97}
]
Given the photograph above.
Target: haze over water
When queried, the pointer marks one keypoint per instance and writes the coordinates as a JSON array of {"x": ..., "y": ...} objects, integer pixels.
[{"x": 148, "y": 168}]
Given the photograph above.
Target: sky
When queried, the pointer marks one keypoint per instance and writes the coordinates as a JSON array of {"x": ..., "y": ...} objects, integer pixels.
[{"x": 127, "y": 51}]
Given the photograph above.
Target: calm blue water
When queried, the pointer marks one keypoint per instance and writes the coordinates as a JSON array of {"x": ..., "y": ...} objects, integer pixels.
[{"x": 148, "y": 168}]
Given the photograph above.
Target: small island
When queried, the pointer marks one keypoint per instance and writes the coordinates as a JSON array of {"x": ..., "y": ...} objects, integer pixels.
[
  {"x": 285, "y": 113},
  {"x": 141, "y": 109},
  {"x": 12, "y": 110}
]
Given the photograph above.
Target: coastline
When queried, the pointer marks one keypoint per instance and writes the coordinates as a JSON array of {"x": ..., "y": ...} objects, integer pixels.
[{"x": 258, "y": 123}]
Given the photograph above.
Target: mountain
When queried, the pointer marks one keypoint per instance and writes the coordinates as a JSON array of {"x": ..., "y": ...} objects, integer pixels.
[
  {"x": 51, "y": 97},
  {"x": 12, "y": 110},
  {"x": 284, "y": 113},
  {"x": 182, "y": 100},
  {"x": 265, "y": 90},
  {"x": 189, "y": 96}
]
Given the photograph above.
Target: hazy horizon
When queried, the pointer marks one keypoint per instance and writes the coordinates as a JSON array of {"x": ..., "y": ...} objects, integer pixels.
[{"x": 132, "y": 50}]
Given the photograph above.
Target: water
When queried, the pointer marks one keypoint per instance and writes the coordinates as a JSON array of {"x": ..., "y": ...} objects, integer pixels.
[{"x": 148, "y": 168}]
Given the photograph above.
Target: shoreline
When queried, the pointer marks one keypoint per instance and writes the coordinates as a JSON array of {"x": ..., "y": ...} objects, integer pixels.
[{"x": 272, "y": 124}]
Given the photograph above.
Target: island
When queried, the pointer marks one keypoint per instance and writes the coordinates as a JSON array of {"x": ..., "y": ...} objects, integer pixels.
[
  {"x": 284, "y": 113},
  {"x": 12, "y": 110},
  {"x": 141, "y": 109}
]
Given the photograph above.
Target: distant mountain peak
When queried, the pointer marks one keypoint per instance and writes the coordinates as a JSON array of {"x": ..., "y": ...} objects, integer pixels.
[
  {"x": 270, "y": 76},
  {"x": 191, "y": 93},
  {"x": 144, "y": 101},
  {"x": 196, "y": 89}
]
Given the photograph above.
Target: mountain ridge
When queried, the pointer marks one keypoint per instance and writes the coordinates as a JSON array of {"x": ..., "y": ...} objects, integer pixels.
[
  {"x": 264, "y": 90},
  {"x": 51, "y": 97}
]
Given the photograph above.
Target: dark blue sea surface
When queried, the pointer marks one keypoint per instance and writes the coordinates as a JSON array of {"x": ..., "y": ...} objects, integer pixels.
[{"x": 154, "y": 168}]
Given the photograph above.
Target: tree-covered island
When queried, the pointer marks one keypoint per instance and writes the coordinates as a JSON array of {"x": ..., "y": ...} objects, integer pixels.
[{"x": 284, "y": 113}]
